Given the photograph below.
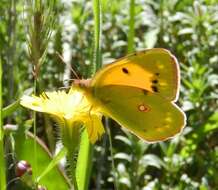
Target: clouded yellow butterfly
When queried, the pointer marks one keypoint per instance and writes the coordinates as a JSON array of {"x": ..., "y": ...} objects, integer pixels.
[{"x": 139, "y": 91}]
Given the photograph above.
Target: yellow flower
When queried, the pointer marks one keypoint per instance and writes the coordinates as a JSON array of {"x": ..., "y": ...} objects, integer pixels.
[{"x": 68, "y": 109}]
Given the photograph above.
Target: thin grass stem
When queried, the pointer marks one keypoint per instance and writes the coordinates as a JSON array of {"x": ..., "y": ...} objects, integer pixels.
[
  {"x": 2, "y": 158},
  {"x": 87, "y": 148},
  {"x": 97, "y": 63},
  {"x": 116, "y": 185},
  {"x": 131, "y": 33},
  {"x": 34, "y": 132}
]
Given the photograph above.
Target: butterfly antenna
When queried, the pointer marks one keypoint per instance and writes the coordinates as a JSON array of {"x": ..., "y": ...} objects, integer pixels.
[
  {"x": 66, "y": 80},
  {"x": 62, "y": 60}
]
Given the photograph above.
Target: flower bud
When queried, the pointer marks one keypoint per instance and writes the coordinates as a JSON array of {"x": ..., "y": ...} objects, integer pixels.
[{"x": 22, "y": 168}]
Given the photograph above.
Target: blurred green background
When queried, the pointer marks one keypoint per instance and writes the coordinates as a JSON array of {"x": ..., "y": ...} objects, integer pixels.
[{"x": 189, "y": 29}]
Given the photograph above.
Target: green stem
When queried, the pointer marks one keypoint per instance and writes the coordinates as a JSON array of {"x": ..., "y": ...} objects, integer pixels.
[
  {"x": 34, "y": 131},
  {"x": 72, "y": 168},
  {"x": 2, "y": 158},
  {"x": 2, "y": 168},
  {"x": 71, "y": 138},
  {"x": 112, "y": 155},
  {"x": 131, "y": 33},
  {"x": 86, "y": 148},
  {"x": 97, "y": 35},
  {"x": 84, "y": 162}
]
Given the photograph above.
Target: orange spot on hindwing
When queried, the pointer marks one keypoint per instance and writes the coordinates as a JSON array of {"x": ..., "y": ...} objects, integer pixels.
[{"x": 143, "y": 108}]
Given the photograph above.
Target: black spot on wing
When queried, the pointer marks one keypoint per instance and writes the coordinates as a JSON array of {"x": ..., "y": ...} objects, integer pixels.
[
  {"x": 154, "y": 88},
  {"x": 157, "y": 74},
  {"x": 154, "y": 81},
  {"x": 125, "y": 70}
]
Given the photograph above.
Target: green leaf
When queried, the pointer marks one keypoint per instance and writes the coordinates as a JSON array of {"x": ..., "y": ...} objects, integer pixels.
[
  {"x": 123, "y": 139},
  {"x": 10, "y": 109},
  {"x": 151, "y": 38},
  {"x": 61, "y": 154},
  {"x": 211, "y": 124},
  {"x": 152, "y": 160},
  {"x": 84, "y": 162},
  {"x": 123, "y": 156},
  {"x": 24, "y": 151}
]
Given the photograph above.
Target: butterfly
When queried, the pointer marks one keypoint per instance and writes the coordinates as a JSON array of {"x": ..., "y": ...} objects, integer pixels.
[{"x": 139, "y": 92}]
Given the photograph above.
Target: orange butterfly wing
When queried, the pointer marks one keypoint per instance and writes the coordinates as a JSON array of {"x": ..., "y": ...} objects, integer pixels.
[{"x": 155, "y": 70}]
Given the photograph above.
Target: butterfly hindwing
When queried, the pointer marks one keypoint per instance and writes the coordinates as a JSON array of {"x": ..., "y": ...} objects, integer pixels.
[
  {"x": 145, "y": 114},
  {"x": 155, "y": 70}
]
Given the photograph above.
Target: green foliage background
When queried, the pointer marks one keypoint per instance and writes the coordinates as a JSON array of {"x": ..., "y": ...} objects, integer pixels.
[{"x": 187, "y": 28}]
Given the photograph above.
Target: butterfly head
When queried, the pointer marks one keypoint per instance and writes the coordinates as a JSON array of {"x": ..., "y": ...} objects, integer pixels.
[{"x": 82, "y": 83}]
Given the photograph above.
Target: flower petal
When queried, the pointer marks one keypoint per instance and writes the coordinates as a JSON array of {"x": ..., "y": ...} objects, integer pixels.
[
  {"x": 94, "y": 127},
  {"x": 70, "y": 108},
  {"x": 32, "y": 102}
]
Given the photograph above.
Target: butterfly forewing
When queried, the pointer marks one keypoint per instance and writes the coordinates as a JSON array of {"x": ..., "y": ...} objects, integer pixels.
[{"x": 155, "y": 70}]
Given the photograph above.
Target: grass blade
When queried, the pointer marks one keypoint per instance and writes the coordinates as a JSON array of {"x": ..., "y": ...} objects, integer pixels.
[
  {"x": 131, "y": 33},
  {"x": 6, "y": 111},
  {"x": 97, "y": 35},
  {"x": 61, "y": 154},
  {"x": 84, "y": 161},
  {"x": 2, "y": 158}
]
